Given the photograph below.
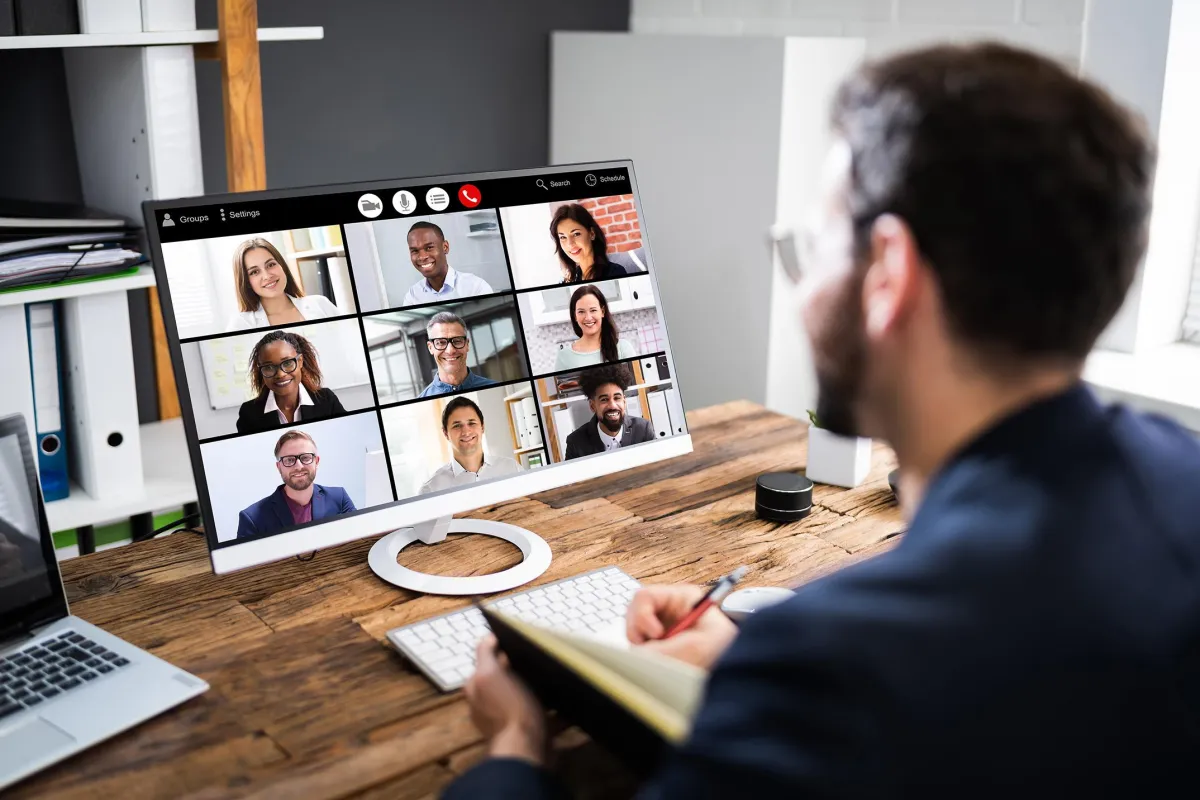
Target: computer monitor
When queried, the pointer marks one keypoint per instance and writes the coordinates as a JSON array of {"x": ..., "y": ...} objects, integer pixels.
[{"x": 374, "y": 357}]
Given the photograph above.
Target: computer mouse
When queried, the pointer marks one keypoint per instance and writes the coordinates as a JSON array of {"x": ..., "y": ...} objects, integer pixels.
[{"x": 741, "y": 604}]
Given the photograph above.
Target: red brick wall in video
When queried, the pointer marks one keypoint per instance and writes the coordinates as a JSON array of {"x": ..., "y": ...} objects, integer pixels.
[{"x": 617, "y": 216}]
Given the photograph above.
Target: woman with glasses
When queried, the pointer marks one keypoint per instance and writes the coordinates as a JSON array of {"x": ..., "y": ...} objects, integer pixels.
[
  {"x": 599, "y": 340},
  {"x": 286, "y": 376}
]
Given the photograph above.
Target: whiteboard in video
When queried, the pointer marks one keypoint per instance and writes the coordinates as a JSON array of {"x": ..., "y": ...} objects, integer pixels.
[{"x": 338, "y": 344}]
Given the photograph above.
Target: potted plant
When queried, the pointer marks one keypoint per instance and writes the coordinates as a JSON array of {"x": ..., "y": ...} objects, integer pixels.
[{"x": 836, "y": 460}]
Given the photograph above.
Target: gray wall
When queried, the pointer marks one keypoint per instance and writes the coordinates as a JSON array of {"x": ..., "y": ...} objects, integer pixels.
[{"x": 401, "y": 89}]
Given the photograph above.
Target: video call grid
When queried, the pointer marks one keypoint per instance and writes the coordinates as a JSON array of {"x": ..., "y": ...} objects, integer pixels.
[{"x": 378, "y": 408}]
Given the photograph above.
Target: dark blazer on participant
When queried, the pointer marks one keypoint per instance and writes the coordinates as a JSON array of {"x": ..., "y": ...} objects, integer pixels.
[
  {"x": 585, "y": 440},
  {"x": 272, "y": 513},
  {"x": 1036, "y": 633},
  {"x": 253, "y": 419}
]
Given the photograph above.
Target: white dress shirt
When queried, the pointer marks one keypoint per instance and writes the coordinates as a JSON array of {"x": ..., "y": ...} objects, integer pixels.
[
  {"x": 457, "y": 284},
  {"x": 271, "y": 405},
  {"x": 610, "y": 442},
  {"x": 313, "y": 306},
  {"x": 454, "y": 474}
]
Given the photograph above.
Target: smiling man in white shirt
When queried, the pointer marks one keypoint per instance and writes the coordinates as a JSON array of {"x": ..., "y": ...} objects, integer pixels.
[
  {"x": 428, "y": 249},
  {"x": 462, "y": 425}
]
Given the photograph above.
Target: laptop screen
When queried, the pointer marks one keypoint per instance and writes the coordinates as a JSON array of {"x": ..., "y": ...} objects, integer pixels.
[{"x": 26, "y": 578}]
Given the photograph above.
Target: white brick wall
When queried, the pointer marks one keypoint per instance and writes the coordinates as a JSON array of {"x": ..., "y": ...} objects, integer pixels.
[{"x": 1054, "y": 27}]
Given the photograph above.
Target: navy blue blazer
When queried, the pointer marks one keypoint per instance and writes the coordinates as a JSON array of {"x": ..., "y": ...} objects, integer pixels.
[
  {"x": 272, "y": 514},
  {"x": 1035, "y": 633}
]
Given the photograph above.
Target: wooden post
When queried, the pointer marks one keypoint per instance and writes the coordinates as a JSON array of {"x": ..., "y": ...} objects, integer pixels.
[{"x": 241, "y": 89}]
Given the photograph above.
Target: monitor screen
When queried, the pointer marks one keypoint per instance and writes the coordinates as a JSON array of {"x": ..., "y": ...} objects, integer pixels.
[{"x": 355, "y": 358}]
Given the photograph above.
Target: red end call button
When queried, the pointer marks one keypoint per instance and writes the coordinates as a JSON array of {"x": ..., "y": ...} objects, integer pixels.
[{"x": 469, "y": 195}]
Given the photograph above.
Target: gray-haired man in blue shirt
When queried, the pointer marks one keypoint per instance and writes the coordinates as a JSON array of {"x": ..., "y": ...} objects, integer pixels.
[{"x": 449, "y": 346}]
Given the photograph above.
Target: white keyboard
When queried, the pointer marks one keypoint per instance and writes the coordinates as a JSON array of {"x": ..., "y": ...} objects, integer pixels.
[{"x": 592, "y": 604}]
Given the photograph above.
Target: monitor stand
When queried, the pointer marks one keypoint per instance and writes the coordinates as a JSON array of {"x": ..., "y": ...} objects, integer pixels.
[{"x": 534, "y": 550}]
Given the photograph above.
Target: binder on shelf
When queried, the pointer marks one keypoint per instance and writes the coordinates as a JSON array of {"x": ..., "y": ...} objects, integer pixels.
[
  {"x": 17, "y": 397},
  {"x": 659, "y": 418},
  {"x": 564, "y": 424},
  {"x": 649, "y": 369},
  {"x": 518, "y": 420},
  {"x": 102, "y": 417},
  {"x": 168, "y": 15},
  {"x": 533, "y": 423},
  {"x": 45, "y": 358},
  {"x": 675, "y": 409},
  {"x": 110, "y": 16},
  {"x": 664, "y": 372}
]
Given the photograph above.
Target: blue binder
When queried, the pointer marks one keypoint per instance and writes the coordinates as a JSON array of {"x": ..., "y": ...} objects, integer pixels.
[{"x": 45, "y": 358}]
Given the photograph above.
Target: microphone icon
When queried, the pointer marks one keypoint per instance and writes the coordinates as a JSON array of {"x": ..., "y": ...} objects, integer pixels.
[{"x": 404, "y": 201}]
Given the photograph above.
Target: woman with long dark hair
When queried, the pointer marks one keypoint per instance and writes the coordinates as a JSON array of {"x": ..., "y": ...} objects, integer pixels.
[
  {"x": 599, "y": 340},
  {"x": 582, "y": 248},
  {"x": 286, "y": 376},
  {"x": 267, "y": 291}
]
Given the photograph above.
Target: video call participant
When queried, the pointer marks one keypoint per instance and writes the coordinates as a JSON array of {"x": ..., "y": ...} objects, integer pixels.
[
  {"x": 428, "y": 249},
  {"x": 462, "y": 425},
  {"x": 299, "y": 499},
  {"x": 582, "y": 248},
  {"x": 1036, "y": 633},
  {"x": 287, "y": 378},
  {"x": 609, "y": 428},
  {"x": 449, "y": 345},
  {"x": 267, "y": 291},
  {"x": 599, "y": 340}
]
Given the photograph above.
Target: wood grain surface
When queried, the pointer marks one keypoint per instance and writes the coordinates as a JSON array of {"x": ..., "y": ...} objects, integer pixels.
[{"x": 309, "y": 700}]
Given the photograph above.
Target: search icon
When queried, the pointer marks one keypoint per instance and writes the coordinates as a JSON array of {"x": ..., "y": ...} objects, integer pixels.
[{"x": 542, "y": 184}]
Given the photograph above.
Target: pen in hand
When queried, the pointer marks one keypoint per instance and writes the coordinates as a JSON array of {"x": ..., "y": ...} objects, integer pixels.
[{"x": 714, "y": 595}]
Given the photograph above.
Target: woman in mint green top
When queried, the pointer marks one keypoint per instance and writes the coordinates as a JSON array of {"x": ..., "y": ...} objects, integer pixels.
[{"x": 599, "y": 340}]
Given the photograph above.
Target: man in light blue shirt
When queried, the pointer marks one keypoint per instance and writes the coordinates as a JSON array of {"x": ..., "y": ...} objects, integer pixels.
[
  {"x": 428, "y": 248},
  {"x": 449, "y": 346}
]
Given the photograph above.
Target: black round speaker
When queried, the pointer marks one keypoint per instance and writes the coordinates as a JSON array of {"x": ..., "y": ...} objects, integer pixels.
[{"x": 783, "y": 496}]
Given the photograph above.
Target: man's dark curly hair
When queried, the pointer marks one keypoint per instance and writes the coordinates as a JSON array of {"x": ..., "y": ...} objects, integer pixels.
[{"x": 591, "y": 380}]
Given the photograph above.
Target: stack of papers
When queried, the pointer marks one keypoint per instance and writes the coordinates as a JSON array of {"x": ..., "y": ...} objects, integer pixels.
[{"x": 43, "y": 243}]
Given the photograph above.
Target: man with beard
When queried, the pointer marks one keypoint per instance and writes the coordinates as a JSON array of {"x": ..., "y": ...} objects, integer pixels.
[
  {"x": 609, "y": 428},
  {"x": 299, "y": 499},
  {"x": 428, "y": 250},
  {"x": 449, "y": 345},
  {"x": 1036, "y": 632}
]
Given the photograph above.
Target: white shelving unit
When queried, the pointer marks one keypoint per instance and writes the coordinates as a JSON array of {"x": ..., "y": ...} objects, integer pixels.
[
  {"x": 168, "y": 483},
  {"x": 137, "y": 137},
  {"x": 158, "y": 39},
  {"x": 142, "y": 279}
]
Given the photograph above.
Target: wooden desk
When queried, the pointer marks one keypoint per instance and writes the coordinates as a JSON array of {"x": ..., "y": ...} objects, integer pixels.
[{"x": 309, "y": 700}]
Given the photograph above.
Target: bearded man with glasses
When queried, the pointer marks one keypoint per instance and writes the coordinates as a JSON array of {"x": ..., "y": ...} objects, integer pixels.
[{"x": 299, "y": 499}]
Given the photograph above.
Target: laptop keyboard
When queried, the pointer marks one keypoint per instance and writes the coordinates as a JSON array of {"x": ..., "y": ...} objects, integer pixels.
[{"x": 50, "y": 667}]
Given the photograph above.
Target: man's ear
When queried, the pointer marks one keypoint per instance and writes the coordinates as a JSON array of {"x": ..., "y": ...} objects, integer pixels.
[{"x": 892, "y": 280}]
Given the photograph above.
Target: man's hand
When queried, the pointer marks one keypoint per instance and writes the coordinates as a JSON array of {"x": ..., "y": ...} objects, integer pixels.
[
  {"x": 503, "y": 709},
  {"x": 654, "y": 609}
]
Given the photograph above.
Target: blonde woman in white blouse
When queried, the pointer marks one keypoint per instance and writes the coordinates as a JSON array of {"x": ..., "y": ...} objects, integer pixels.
[{"x": 267, "y": 290}]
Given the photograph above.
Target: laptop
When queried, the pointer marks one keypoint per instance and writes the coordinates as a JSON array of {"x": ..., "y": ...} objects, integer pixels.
[{"x": 64, "y": 684}]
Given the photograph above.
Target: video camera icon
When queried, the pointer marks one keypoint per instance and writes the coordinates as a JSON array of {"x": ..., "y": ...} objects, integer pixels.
[{"x": 370, "y": 206}]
